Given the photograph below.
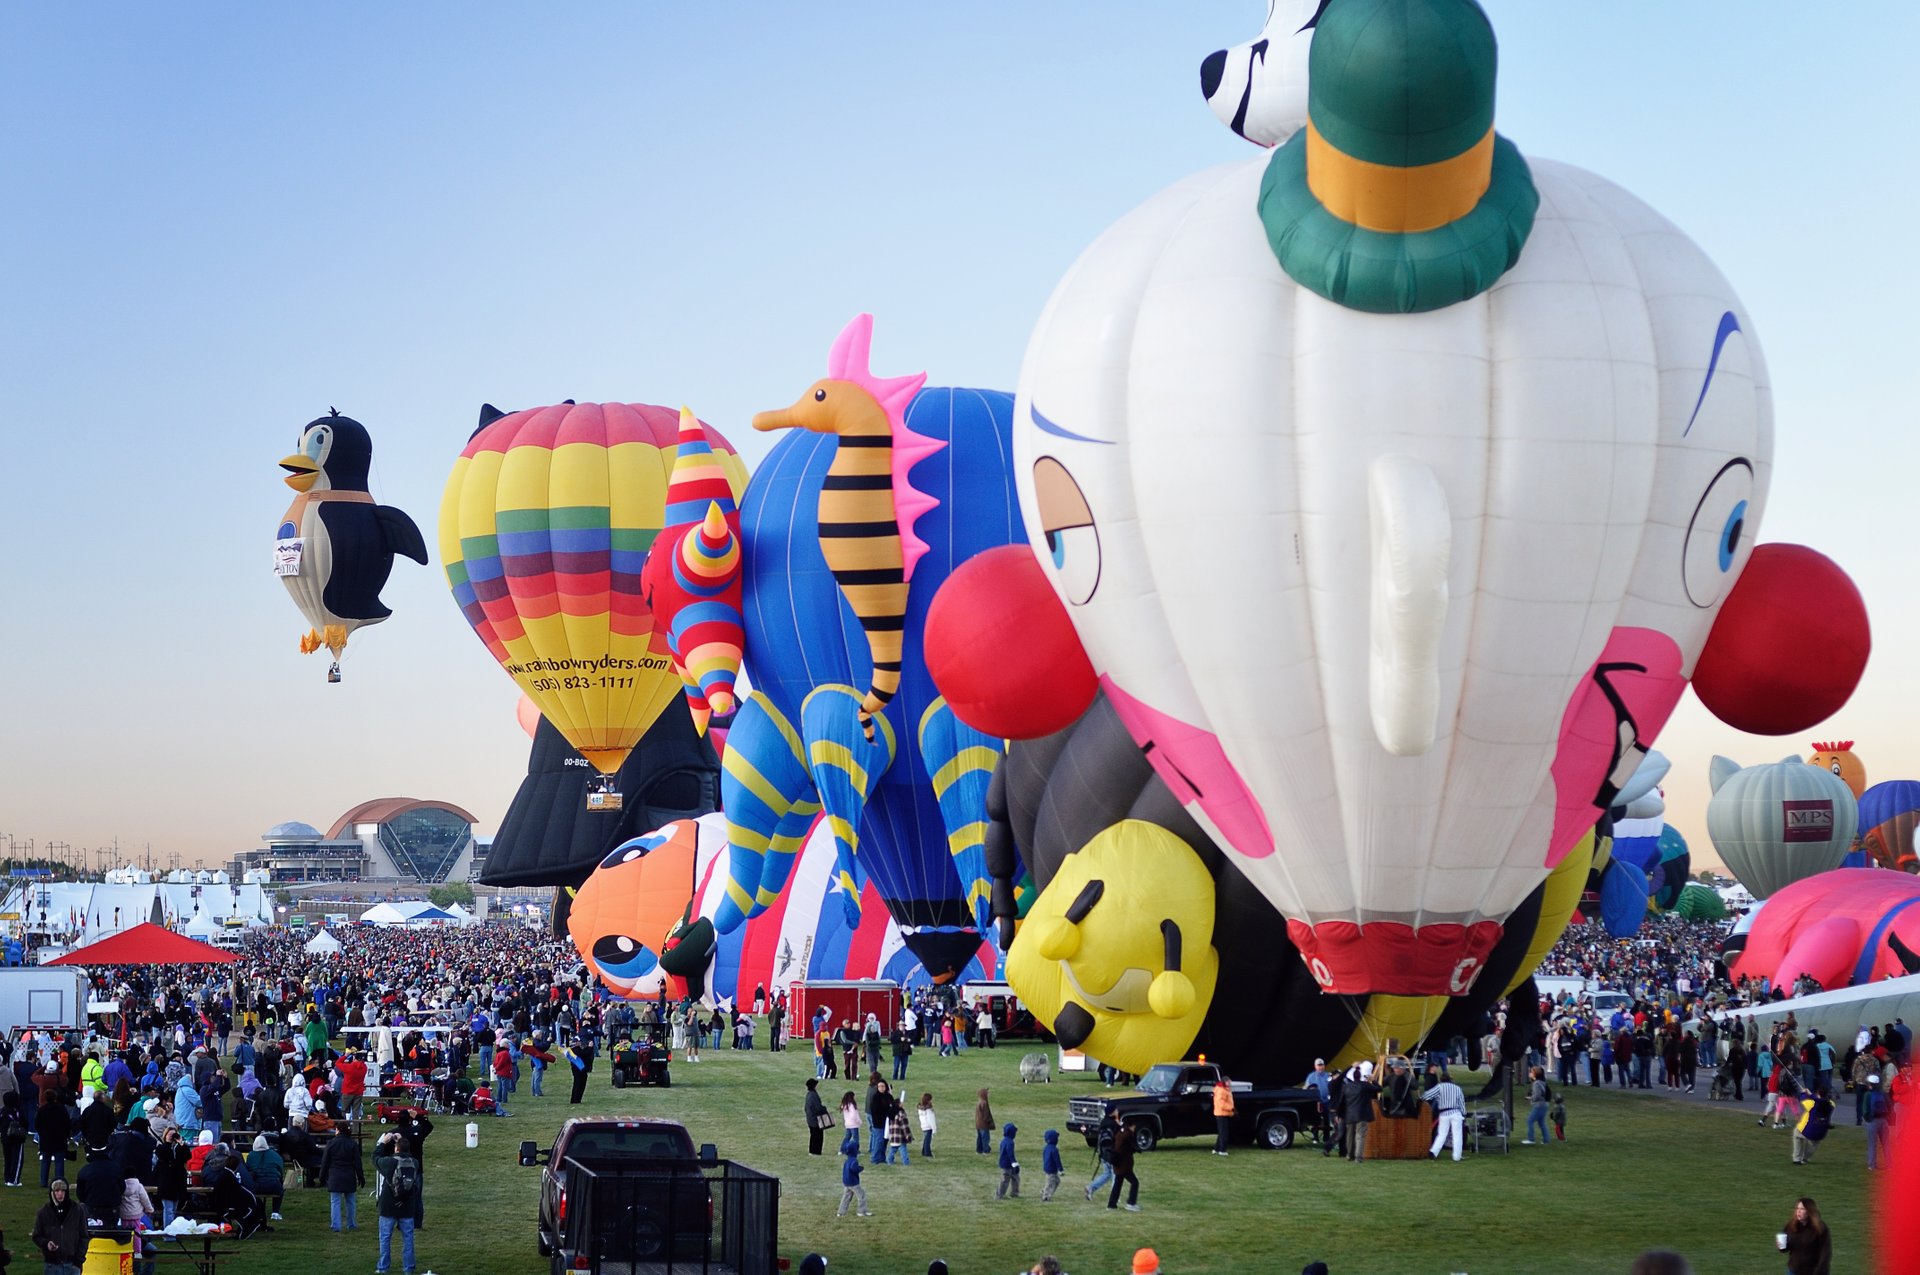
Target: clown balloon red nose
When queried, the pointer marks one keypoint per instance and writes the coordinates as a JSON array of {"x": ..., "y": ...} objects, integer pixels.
[
  {"x": 1788, "y": 646},
  {"x": 1002, "y": 650}
]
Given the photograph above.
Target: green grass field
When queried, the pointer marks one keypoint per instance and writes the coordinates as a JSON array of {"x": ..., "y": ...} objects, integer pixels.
[{"x": 1637, "y": 1171}]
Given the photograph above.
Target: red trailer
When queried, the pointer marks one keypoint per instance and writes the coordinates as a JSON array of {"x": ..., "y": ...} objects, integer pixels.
[{"x": 851, "y": 998}]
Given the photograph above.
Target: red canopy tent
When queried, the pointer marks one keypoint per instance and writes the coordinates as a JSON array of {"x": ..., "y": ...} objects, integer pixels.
[{"x": 146, "y": 944}]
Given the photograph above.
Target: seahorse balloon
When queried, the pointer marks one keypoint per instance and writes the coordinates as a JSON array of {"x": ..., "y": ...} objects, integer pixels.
[
  {"x": 844, "y": 721},
  {"x": 867, "y": 505}
]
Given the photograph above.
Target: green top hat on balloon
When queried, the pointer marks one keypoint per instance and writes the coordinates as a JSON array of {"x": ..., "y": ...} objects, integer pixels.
[{"x": 1398, "y": 197}]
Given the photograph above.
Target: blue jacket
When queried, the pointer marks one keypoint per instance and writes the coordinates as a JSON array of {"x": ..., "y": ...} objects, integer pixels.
[
  {"x": 1007, "y": 1157},
  {"x": 850, "y": 1170},
  {"x": 1050, "y": 1153}
]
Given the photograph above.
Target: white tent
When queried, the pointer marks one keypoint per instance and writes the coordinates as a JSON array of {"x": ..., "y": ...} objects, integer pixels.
[
  {"x": 396, "y": 912},
  {"x": 201, "y": 927},
  {"x": 323, "y": 944},
  {"x": 460, "y": 914}
]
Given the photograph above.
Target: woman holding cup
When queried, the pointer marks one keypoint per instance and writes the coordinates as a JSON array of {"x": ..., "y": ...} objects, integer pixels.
[{"x": 1806, "y": 1242}]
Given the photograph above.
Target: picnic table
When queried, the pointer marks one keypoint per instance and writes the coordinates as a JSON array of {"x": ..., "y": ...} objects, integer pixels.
[{"x": 202, "y": 1252}]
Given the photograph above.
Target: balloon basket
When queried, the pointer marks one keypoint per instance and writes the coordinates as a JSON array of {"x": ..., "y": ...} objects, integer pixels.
[
  {"x": 602, "y": 795},
  {"x": 333, "y": 671}
]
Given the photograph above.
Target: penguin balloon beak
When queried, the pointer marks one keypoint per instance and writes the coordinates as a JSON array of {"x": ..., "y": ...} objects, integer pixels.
[{"x": 302, "y": 473}]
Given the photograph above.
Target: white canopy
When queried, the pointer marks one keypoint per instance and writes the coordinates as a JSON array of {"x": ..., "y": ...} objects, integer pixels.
[
  {"x": 323, "y": 943},
  {"x": 1840, "y": 1014},
  {"x": 201, "y": 926}
]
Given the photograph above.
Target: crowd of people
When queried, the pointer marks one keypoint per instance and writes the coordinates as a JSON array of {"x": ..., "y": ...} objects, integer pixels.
[{"x": 217, "y": 1085}]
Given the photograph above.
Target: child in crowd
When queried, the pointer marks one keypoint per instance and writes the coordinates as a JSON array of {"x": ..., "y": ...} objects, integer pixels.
[
  {"x": 929, "y": 1125},
  {"x": 1558, "y": 1114},
  {"x": 1009, "y": 1164},
  {"x": 1050, "y": 1164},
  {"x": 850, "y": 1177}
]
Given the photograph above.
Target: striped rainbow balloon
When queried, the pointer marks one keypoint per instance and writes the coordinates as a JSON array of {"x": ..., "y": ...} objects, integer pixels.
[{"x": 545, "y": 527}]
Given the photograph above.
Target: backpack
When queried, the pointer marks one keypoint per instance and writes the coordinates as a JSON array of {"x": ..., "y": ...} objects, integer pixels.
[{"x": 405, "y": 1180}]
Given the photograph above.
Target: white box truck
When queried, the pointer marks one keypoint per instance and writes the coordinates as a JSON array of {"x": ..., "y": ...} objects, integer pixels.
[{"x": 42, "y": 998}]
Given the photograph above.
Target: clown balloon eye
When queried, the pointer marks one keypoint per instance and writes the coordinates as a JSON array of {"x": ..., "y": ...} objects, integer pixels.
[
  {"x": 1073, "y": 540},
  {"x": 819, "y": 396},
  {"x": 1717, "y": 536}
]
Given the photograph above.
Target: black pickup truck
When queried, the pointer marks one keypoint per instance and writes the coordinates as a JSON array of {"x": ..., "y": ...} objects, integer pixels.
[
  {"x": 626, "y": 1190},
  {"x": 1175, "y": 1100}
]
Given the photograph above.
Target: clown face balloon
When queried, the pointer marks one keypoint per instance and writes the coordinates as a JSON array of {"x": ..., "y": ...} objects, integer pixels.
[{"x": 1393, "y": 569}]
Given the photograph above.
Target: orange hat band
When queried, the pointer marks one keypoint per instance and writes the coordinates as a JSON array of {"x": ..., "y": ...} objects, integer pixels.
[{"x": 1396, "y": 200}]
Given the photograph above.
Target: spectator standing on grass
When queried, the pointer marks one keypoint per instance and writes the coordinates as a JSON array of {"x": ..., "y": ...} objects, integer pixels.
[
  {"x": 60, "y": 1232},
  {"x": 1009, "y": 1163},
  {"x": 899, "y": 1131},
  {"x": 849, "y": 1041},
  {"x": 343, "y": 1174},
  {"x": 850, "y": 1120},
  {"x": 1317, "y": 1080},
  {"x": 1449, "y": 1114},
  {"x": 850, "y": 1188},
  {"x": 1222, "y": 1113},
  {"x": 54, "y": 1127},
  {"x": 580, "y": 1059},
  {"x": 1050, "y": 1164},
  {"x": 1103, "y": 1138},
  {"x": 902, "y": 1042},
  {"x": 1539, "y": 1093},
  {"x": 929, "y": 1125},
  {"x": 1809, "y": 1246},
  {"x": 1357, "y": 1093},
  {"x": 1816, "y": 1118},
  {"x": 398, "y": 1201},
  {"x": 982, "y": 1125},
  {"x": 878, "y": 1109},
  {"x": 1121, "y": 1158},
  {"x": 1876, "y": 1105},
  {"x": 170, "y": 1175},
  {"x": 818, "y": 1118}
]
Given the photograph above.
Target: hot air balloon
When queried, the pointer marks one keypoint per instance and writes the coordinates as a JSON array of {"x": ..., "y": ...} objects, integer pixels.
[
  {"x": 845, "y": 547},
  {"x": 1776, "y": 824},
  {"x": 1838, "y": 757},
  {"x": 1842, "y": 929},
  {"x": 335, "y": 546},
  {"x": 638, "y": 900},
  {"x": 1698, "y": 902},
  {"x": 1394, "y": 514},
  {"x": 1623, "y": 899},
  {"x": 550, "y": 836},
  {"x": 1889, "y": 813},
  {"x": 644, "y": 919},
  {"x": 1672, "y": 871},
  {"x": 544, "y": 528}
]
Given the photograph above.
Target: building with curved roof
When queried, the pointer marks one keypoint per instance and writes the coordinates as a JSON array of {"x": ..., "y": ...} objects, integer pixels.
[{"x": 410, "y": 839}]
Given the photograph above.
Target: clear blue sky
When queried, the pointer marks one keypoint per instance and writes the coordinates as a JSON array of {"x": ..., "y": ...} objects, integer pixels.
[{"x": 220, "y": 220}]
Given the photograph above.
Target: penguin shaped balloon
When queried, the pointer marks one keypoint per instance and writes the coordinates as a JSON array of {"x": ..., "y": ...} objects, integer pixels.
[{"x": 335, "y": 546}]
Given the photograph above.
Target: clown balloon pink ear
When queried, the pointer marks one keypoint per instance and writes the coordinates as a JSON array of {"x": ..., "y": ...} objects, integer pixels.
[
  {"x": 1788, "y": 646},
  {"x": 1001, "y": 648}
]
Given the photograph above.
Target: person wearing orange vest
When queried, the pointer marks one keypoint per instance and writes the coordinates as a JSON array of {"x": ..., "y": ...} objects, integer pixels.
[{"x": 1222, "y": 1114}]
